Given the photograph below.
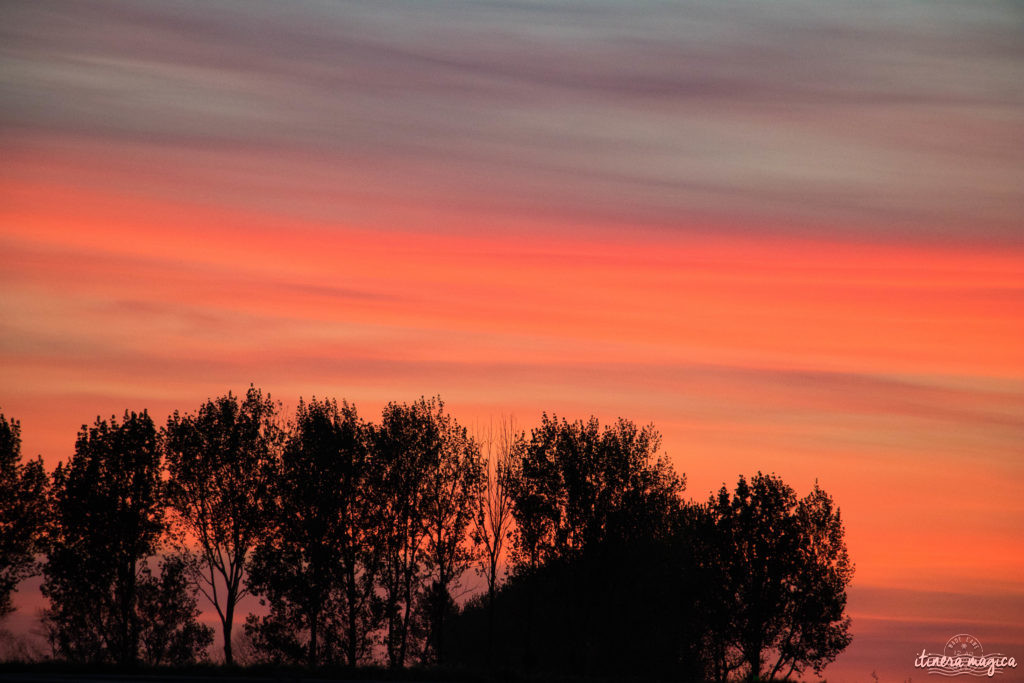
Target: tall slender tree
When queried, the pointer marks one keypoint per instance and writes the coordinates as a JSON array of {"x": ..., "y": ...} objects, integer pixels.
[
  {"x": 23, "y": 512},
  {"x": 315, "y": 564},
  {"x": 455, "y": 481},
  {"x": 220, "y": 461},
  {"x": 108, "y": 519},
  {"x": 408, "y": 447},
  {"x": 493, "y": 521}
]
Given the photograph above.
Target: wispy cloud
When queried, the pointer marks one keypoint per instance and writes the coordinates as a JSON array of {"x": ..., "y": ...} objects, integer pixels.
[{"x": 878, "y": 120}]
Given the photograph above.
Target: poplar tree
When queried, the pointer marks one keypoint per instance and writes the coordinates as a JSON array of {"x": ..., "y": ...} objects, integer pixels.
[
  {"x": 108, "y": 519},
  {"x": 220, "y": 461},
  {"x": 314, "y": 566}
]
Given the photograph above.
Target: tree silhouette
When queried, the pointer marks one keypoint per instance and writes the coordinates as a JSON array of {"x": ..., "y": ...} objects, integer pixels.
[
  {"x": 582, "y": 497},
  {"x": 402, "y": 456},
  {"x": 453, "y": 487},
  {"x": 493, "y": 521},
  {"x": 23, "y": 512},
  {"x": 355, "y": 537},
  {"x": 427, "y": 477},
  {"x": 777, "y": 570},
  {"x": 315, "y": 564},
  {"x": 108, "y": 518},
  {"x": 576, "y": 484},
  {"x": 220, "y": 460}
]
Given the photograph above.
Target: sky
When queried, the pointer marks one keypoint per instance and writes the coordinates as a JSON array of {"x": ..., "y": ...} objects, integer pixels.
[{"x": 789, "y": 234}]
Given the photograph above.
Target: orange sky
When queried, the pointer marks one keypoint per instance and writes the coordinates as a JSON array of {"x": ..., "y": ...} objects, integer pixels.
[
  {"x": 891, "y": 374},
  {"x": 790, "y": 254}
]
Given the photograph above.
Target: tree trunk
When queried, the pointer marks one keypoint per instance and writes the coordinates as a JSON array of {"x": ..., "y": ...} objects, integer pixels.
[
  {"x": 753, "y": 656},
  {"x": 490, "y": 622},
  {"x": 229, "y": 614},
  {"x": 393, "y": 629},
  {"x": 406, "y": 618},
  {"x": 128, "y": 647},
  {"x": 314, "y": 620},
  {"x": 404, "y": 635},
  {"x": 352, "y": 617},
  {"x": 441, "y": 608}
]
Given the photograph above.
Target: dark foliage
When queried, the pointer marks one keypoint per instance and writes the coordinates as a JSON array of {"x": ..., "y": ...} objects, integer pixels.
[
  {"x": 22, "y": 512},
  {"x": 455, "y": 482},
  {"x": 221, "y": 461},
  {"x": 774, "y": 572},
  {"x": 614, "y": 575},
  {"x": 618, "y": 613},
  {"x": 355, "y": 538},
  {"x": 108, "y": 520},
  {"x": 598, "y": 558},
  {"x": 577, "y": 485},
  {"x": 315, "y": 564},
  {"x": 428, "y": 474}
]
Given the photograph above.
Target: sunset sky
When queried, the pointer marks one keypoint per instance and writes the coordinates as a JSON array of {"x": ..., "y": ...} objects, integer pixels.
[{"x": 789, "y": 234}]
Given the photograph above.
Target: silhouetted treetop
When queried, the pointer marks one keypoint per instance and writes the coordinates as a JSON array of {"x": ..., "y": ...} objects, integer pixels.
[
  {"x": 221, "y": 463},
  {"x": 776, "y": 569},
  {"x": 574, "y": 484},
  {"x": 314, "y": 565},
  {"x": 427, "y": 471},
  {"x": 108, "y": 518}
]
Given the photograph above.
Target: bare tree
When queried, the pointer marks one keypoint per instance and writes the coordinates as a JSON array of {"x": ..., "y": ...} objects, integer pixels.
[{"x": 493, "y": 521}]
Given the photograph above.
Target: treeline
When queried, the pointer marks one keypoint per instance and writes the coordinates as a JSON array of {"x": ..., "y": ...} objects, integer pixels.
[{"x": 357, "y": 538}]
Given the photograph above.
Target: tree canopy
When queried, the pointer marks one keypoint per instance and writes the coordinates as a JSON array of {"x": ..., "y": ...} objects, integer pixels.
[
  {"x": 315, "y": 563},
  {"x": 221, "y": 462},
  {"x": 776, "y": 570},
  {"x": 575, "y": 484},
  {"x": 428, "y": 476},
  {"x": 108, "y": 521}
]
